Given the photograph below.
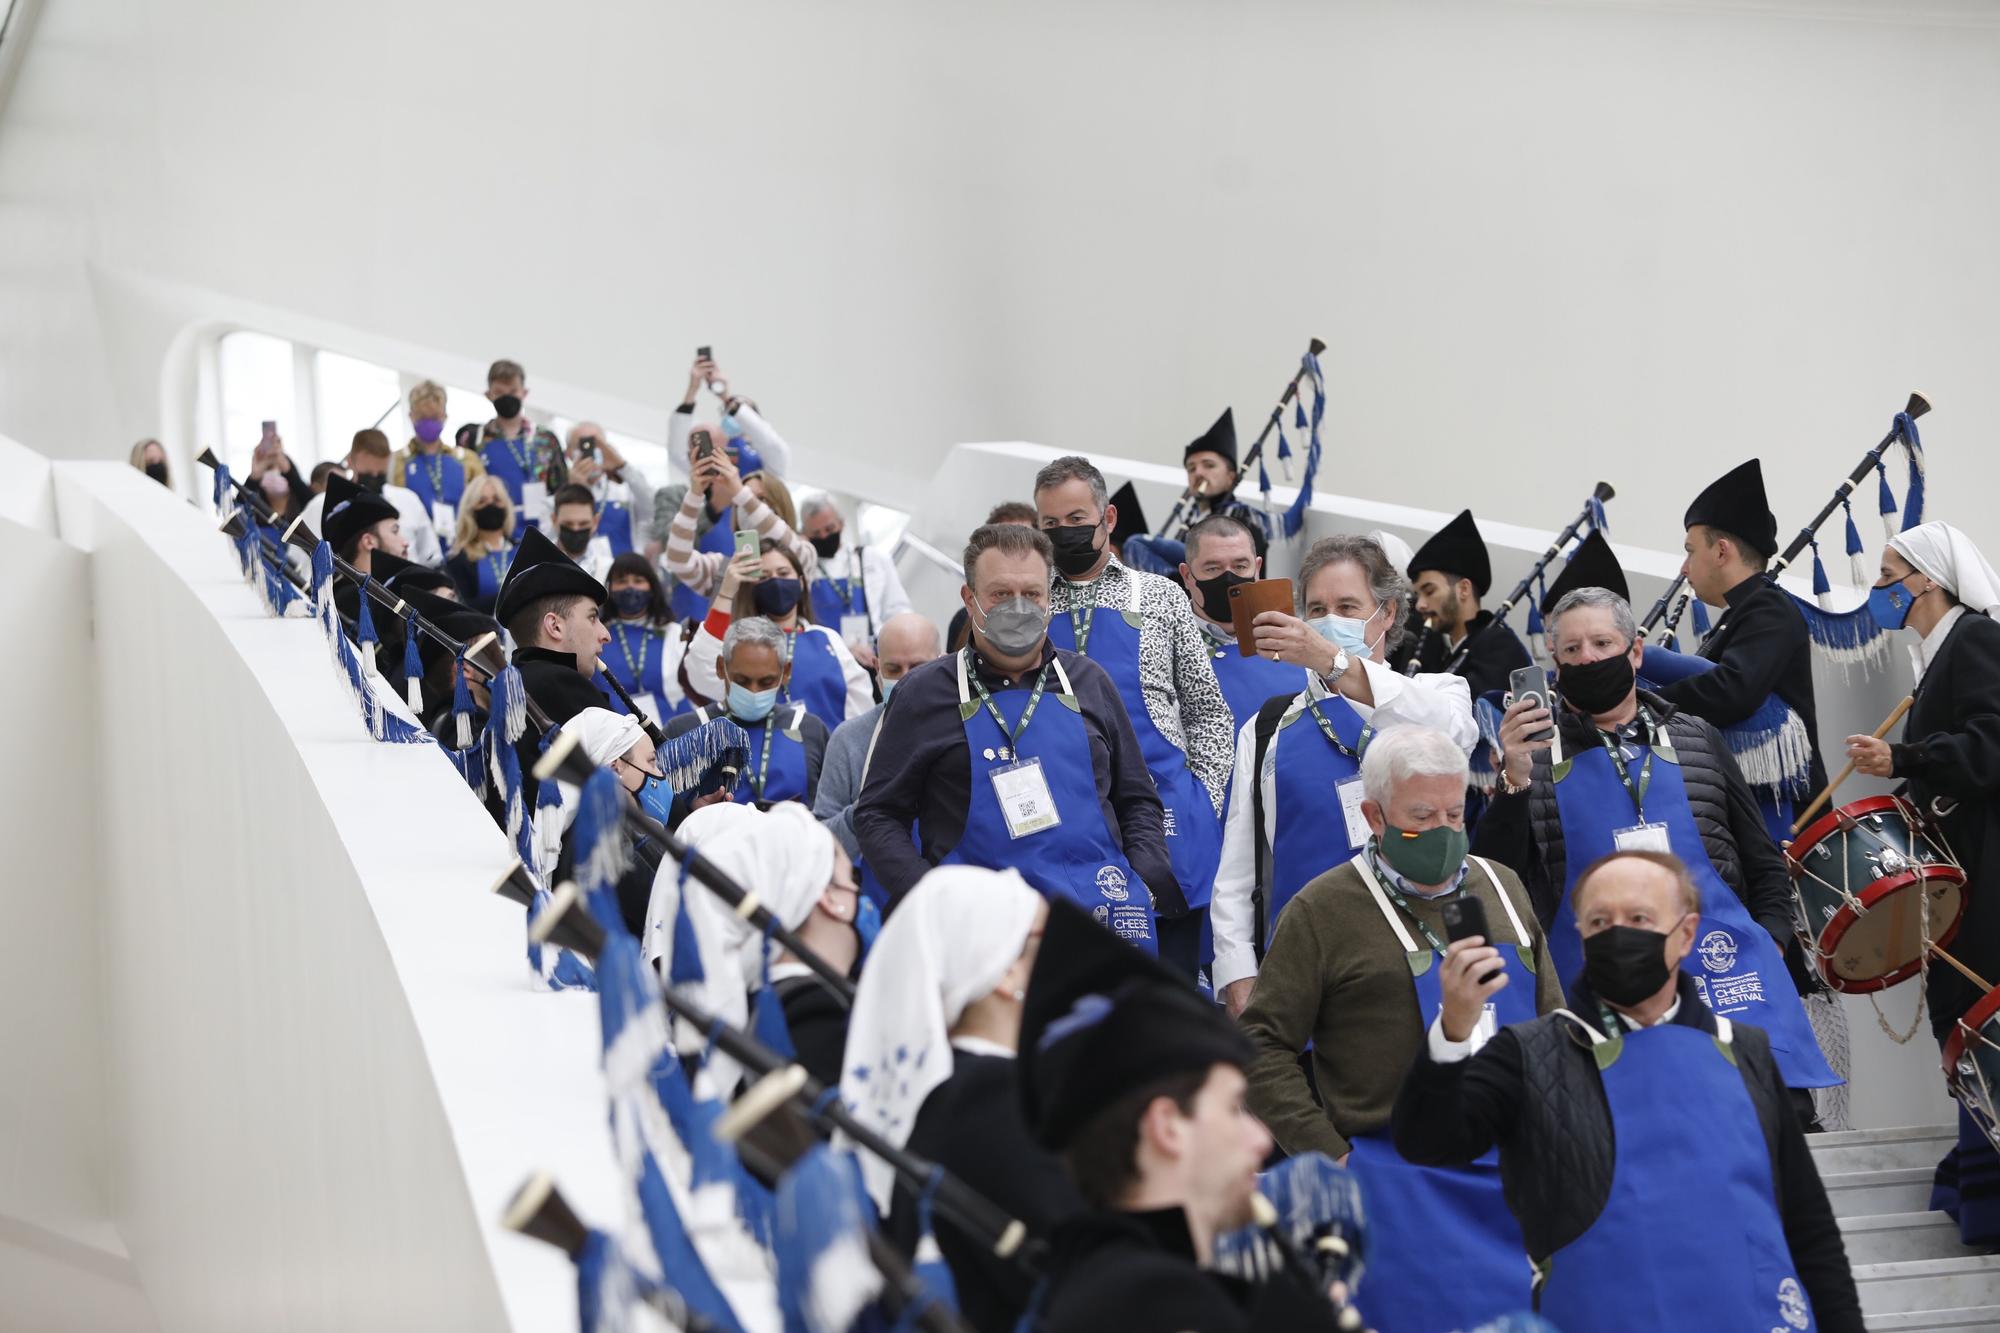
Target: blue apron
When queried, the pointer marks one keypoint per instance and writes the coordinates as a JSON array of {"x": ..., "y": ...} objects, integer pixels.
[
  {"x": 492, "y": 571},
  {"x": 614, "y": 524},
  {"x": 1742, "y": 974},
  {"x": 720, "y": 539},
  {"x": 511, "y": 460},
  {"x": 1312, "y": 835},
  {"x": 1078, "y": 859},
  {"x": 1248, "y": 682},
  {"x": 636, "y": 657},
  {"x": 1194, "y": 835},
  {"x": 777, "y": 752},
  {"x": 1691, "y": 1192},
  {"x": 436, "y": 479},
  {"x": 1421, "y": 1217},
  {"x": 834, "y": 598},
  {"x": 817, "y": 679}
]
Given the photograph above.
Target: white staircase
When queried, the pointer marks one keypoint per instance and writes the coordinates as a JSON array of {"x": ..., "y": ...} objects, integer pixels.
[{"x": 1909, "y": 1266}]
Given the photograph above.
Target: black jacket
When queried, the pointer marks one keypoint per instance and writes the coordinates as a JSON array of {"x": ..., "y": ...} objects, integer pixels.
[
  {"x": 817, "y": 1020},
  {"x": 558, "y": 689},
  {"x": 1495, "y": 653},
  {"x": 1524, "y": 832},
  {"x": 1534, "y": 1090},
  {"x": 1136, "y": 1273},
  {"x": 1950, "y": 760},
  {"x": 971, "y": 1125},
  {"x": 1760, "y": 647}
]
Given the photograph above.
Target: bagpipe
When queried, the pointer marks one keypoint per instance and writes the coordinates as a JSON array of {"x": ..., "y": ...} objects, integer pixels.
[
  {"x": 1848, "y": 636},
  {"x": 1294, "y": 518},
  {"x": 1591, "y": 516}
]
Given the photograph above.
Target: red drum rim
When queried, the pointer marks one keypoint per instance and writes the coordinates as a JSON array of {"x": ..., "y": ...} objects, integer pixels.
[
  {"x": 1974, "y": 1019},
  {"x": 1829, "y": 823},
  {"x": 1837, "y": 925}
]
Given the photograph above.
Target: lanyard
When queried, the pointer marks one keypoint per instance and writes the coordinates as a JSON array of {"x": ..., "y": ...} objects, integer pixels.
[
  {"x": 493, "y": 562},
  {"x": 1080, "y": 617},
  {"x": 645, "y": 649},
  {"x": 1617, "y": 753},
  {"x": 1014, "y": 736},
  {"x": 1367, "y": 733},
  {"x": 1388, "y": 883},
  {"x": 764, "y": 759},
  {"x": 520, "y": 455},
  {"x": 435, "y": 468}
]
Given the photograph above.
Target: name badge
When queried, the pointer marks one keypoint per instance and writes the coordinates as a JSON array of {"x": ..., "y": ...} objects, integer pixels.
[
  {"x": 1642, "y": 838},
  {"x": 854, "y": 629},
  {"x": 1023, "y": 793},
  {"x": 1351, "y": 797},
  {"x": 444, "y": 518},
  {"x": 535, "y": 503}
]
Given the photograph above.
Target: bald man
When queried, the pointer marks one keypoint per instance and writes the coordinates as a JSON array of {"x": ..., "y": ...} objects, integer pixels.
[{"x": 906, "y": 642}]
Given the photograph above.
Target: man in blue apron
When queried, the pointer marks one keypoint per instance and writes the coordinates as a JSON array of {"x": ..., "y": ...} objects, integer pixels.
[
  {"x": 787, "y": 743},
  {"x": 1013, "y": 753},
  {"x": 1220, "y": 555},
  {"x": 856, "y": 589},
  {"x": 1647, "y": 1144},
  {"x": 1634, "y": 774},
  {"x": 527, "y": 458},
  {"x": 1140, "y": 629},
  {"x": 1353, "y": 971}
]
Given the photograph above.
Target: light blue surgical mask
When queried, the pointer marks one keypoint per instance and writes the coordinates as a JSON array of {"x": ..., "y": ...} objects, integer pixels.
[
  {"x": 1347, "y": 633},
  {"x": 751, "y": 705},
  {"x": 731, "y": 429},
  {"x": 887, "y": 685},
  {"x": 655, "y": 797}
]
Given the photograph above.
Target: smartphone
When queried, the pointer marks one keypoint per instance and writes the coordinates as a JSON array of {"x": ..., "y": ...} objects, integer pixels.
[
  {"x": 1249, "y": 600},
  {"x": 750, "y": 544},
  {"x": 1464, "y": 917},
  {"x": 1531, "y": 682},
  {"x": 704, "y": 354},
  {"x": 587, "y": 447},
  {"x": 704, "y": 442},
  {"x": 270, "y": 437}
]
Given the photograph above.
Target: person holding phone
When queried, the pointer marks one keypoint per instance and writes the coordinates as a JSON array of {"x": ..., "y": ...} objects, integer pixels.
[
  {"x": 1353, "y": 975},
  {"x": 1222, "y": 553},
  {"x": 824, "y": 676},
  {"x": 728, "y": 495},
  {"x": 623, "y": 494},
  {"x": 1295, "y": 812}
]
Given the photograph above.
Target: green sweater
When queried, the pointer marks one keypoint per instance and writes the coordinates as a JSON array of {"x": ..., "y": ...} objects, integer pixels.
[{"x": 1337, "y": 976}]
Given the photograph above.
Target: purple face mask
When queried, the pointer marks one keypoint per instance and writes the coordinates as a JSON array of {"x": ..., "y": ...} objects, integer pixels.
[
  {"x": 275, "y": 486},
  {"x": 428, "y": 429}
]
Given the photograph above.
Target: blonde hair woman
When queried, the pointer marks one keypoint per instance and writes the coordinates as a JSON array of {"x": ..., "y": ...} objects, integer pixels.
[
  {"x": 150, "y": 458},
  {"x": 480, "y": 549}
]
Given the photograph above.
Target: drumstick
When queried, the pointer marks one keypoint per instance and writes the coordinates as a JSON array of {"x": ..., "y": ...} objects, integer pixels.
[
  {"x": 1964, "y": 971},
  {"x": 1848, "y": 772}
]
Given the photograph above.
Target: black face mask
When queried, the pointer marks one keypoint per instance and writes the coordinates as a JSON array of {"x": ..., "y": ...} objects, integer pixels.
[
  {"x": 1596, "y": 687},
  {"x": 827, "y": 546},
  {"x": 777, "y": 597},
  {"x": 1076, "y": 548},
  {"x": 1215, "y": 594},
  {"x": 1625, "y": 964},
  {"x": 158, "y": 472},
  {"x": 490, "y": 518},
  {"x": 574, "y": 540},
  {"x": 508, "y": 405},
  {"x": 371, "y": 481}
]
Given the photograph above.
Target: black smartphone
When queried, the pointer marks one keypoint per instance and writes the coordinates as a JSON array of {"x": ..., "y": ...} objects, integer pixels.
[
  {"x": 1464, "y": 917},
  {"x": 704, "y": 354},
  {"x": 1531, "y": 682},
  {"x": 704, "y": 442}
]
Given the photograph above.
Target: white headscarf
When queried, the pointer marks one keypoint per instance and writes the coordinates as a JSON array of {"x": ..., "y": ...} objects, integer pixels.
[
  {"x": 603, "y": 734},
  {"x": 1399, "y": 552},
  {"x": 1946, "y": 555},
  {"x": 786, "y": 859},
  {"x": 721, "y": 991},
  {"x": 947, "y": 944}
]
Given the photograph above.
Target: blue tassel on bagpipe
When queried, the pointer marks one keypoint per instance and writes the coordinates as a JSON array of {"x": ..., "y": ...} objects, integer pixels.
[
  {"x": 687, "y": 758},
  {"x": 710, "y": 1160},
  {"x": 825, "y": 1278},
  {"x": 598, "y": 847},
  {"x": 1699, "y": 610},
  {"x": 364, "y": 620},
  {"x": 557, "y": 967},
  {"x": 1295, "y": 516},
  {"x": 546, "y": 826},
  {"x": 1771, "y": 746},
  {"x": 467, "y": 752},
  {"x": 224, "y": 491},
  {"x": 382, "y": 724},
  {"x": 769, "y": 1016},
  {"x": 1855, "y": 550},
  {"x": 505, "y": 722},
  {"x": 1913, "y": 447},
  {"x": 1535, "y": 608},
  {"x": 685, "y": 966},
  {"x": 1885, "y": 499},
  {"x": 413, "y": 670},
  {"x": 927, "y": 1265},
  {"x": 1821, "y": 587}
]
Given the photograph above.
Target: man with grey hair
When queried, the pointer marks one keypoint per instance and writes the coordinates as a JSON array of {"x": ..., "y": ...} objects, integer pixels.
[
  {"x": 1141, "y": 630},
  {"x": 906, "y": 643},
  {"x": 1352, "y": 977},
  {"x": 856, "y": 588},
  {"x": 1636, "y": 774},
  {"x": 787, "y": 744},
  {"x": 1296, "y": 812}
]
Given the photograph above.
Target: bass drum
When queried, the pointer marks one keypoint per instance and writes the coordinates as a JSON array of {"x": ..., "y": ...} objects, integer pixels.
[
  {"x": 1874, "y": 881},
  {"x": 1972, "y": 1064}
]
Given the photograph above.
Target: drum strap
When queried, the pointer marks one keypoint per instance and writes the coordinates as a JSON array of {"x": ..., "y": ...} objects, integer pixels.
[{"x": 1923, "y": 975}]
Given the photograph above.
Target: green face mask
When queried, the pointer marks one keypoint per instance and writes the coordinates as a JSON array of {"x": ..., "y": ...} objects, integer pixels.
[{"x": 1426, "y": 858}]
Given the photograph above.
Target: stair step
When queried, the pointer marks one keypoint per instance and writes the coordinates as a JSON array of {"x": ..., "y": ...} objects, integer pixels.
[
  {"x": 1922, "y": 1321},
  {"x": 1888, "y": 1237},
  {"x": 1866, "y": 1193},
  {"x": 1924, "y": 1285},
  {"x": 1881, "y": 1149}
]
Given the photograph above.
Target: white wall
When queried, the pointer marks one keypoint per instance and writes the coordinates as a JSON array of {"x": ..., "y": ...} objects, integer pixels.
[{"x": 1637, "y": 240}]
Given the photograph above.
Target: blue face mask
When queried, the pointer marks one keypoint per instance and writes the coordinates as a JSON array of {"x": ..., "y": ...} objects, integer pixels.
[
  {"x": 751, "y": 705},
  {"x": 887, "y": 685},
  {"x": 655, "y": 797},
  {"x": 1347, "y": 633},
  {"x": 1891, "y": 605}
]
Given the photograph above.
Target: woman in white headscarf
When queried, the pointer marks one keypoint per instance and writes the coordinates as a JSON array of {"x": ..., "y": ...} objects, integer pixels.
[
  {"x": 930, "y": 1066},
  {"x": 615, "y": 741},
  {"x": 1936, "y": 583}
]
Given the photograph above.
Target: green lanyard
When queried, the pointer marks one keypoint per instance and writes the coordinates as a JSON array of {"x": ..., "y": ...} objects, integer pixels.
[
  {"x": 764, "y": 759},
  {"x": 497, "y": 565},
  {"x": 434, "y": 464},
  {"x": 1396, "y": 897},
  {"x": 645, "y": 651},
  {"x": 520, "y": 454},
  {"x": 1367, "y": 733},
  {"x": 1014, "y": 736},
  {"x": 1079, "y": 623},
  {"x": 1617, "y": 753}
]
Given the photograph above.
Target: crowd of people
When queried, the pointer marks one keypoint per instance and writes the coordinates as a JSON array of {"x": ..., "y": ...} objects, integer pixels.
[{"x": 1140, "y": 896}]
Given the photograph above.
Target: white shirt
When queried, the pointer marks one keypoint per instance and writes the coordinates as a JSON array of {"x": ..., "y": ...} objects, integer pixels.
[
  {"x": 411, "y": 516},
  {"x": 1442, "y": 702},
  {"x": 1445, "y": 1051},
  {"x": 879, "y": 581},
  {"x": 1926, "y": 650},
  {"x": 704, "y": 668}
]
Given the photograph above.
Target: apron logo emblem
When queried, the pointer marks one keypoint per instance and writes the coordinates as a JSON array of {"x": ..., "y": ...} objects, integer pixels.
[
  {"x": 1718, "y": 951},
  {"x": 1792, "y": 1303},
  {"x": 1111, "y": 883}
]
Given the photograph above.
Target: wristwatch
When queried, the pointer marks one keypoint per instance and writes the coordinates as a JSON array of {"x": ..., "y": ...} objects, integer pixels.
[{"x": 1341, "y": 661}]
